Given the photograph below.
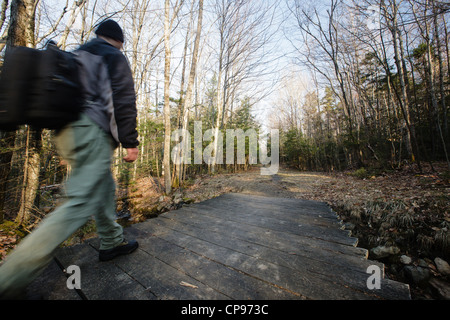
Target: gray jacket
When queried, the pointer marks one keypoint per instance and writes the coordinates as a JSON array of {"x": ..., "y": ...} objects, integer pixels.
[{"x": 109, "y": 91}]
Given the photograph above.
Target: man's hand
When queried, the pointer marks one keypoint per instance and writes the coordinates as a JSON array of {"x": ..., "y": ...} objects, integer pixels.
[{"x": 132, "y": 154}]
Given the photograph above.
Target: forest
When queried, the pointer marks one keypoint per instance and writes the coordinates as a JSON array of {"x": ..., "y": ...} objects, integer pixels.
[{"x": 360, "y": 86}]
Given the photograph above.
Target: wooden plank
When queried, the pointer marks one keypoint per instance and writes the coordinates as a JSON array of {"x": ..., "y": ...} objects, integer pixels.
[
  {"x": 306, "y": 207},
  {"x": 231, "y": 283},
  {"x": 231, "y": 239},
  {"x": 247, "y": 217},
  {"x": 273, "y": 238},
  {"x": 101, "y": 280},
  {"x": 342, "y": 281},
  {"x": 163, "y": 280},
  {"x": 347, "y": 272},
  {"x": 283, "y": 214},
  {"x": 51, "y": 285},
  {"x": 242, "y": 214},
  {"x": 309, "y": 285}
]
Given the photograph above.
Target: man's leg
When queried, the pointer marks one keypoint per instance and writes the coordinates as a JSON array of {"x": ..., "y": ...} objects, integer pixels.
[
  {"x": 109, "y": 231},
  {"x": 87, "y": 148},
  {"x": 112, "y": 243}
]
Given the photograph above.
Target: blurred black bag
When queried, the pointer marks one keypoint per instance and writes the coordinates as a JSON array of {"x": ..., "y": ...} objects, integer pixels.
[{"x": 40, "y": 88}]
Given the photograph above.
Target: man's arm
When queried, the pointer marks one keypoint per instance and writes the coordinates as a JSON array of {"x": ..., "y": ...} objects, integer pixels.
[{"x": 124, "y": 99}]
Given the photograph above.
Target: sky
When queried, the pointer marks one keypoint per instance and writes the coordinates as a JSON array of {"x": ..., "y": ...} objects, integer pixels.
[{"x": 277, "y": 54}]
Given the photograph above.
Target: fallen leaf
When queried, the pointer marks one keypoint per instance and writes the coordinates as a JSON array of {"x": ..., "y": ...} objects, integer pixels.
[{"x": 185, "y": 284}]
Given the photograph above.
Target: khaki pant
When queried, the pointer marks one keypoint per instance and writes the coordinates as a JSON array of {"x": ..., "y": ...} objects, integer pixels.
[{"x": 90, "y": 192}]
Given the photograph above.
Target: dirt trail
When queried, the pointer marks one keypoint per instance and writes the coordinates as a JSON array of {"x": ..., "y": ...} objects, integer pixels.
[
  {"x": 285, "y": 184},
  {"x": 147, "y": 199}
]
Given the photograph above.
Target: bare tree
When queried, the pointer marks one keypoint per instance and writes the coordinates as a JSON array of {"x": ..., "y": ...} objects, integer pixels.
[
  {"x": 244, "y": 32},
  {"x": 21, "y": 33},
  {"x": 424, "y": 24},
  {"x": 77, "y": 6},
  {"x": 167, "y": 134},
  {"x": 322, "y": 36},
  {"x": 187, "y": 103}
]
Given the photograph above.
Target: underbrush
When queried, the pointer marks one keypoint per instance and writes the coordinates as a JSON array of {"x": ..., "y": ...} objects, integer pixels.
[{"x": 419, "y": 227}]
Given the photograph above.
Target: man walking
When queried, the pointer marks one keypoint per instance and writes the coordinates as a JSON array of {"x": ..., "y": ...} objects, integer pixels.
[{"x": 108, "y": 119}]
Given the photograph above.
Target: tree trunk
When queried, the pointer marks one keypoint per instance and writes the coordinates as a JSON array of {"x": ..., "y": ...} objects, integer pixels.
[
  {"x": 76, "y": 9},
  {"x": 403, "y": 99},
  {"x": 441, "y": 85},
  {"x": 192, "y": 73},
  {"x": 7, "y": 146},
  {"x": 178, "y": 163},
  {"x": 167, "y": 133},
  {"x": 20, "y": 33},
  {"x": 31, "y": 175}
]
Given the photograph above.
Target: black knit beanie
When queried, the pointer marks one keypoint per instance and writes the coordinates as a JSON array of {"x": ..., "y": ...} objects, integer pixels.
[{"x": 110, "y": 29}]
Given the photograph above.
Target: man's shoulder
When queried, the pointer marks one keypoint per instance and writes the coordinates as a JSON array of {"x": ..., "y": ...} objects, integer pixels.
[{"x": 100, "y": 47}]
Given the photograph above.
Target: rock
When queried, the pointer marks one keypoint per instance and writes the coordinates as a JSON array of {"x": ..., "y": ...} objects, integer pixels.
[
  {"x": 422, "y": 263},
  {"x": 159, "y": 207},
  {"x": 177, "y": 201},
  {"x": 441, "y": 288},
  {"x": 383, "y": 252},
  {"x": 165, "y": 205},
  {"x": 404, "y": 259},
  {"x": 177, "y": 195},
  {"x": 417, "y": 275},
  {"x": 349, "y": 226},
  {"x": 442, "y": 266}
]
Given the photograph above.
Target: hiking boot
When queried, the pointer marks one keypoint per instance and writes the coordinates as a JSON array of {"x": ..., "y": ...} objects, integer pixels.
[{"x": 125, "y": 247}]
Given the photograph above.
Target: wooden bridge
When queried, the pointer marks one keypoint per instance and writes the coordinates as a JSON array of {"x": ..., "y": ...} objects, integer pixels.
[{"x": 234, "y": 246}]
